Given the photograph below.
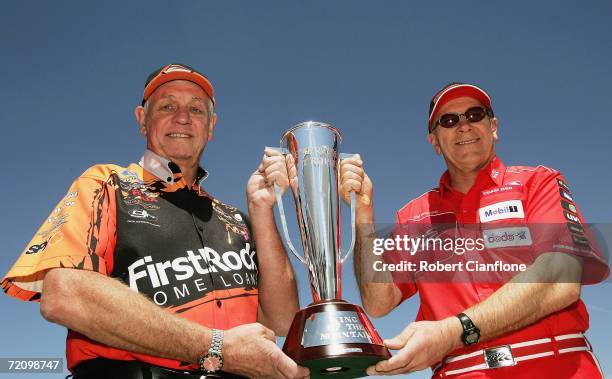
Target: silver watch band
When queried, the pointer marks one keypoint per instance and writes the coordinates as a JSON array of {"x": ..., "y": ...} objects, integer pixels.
[
  {"x": 216, "y": 344},
  {"x": 212, "y": 361}
]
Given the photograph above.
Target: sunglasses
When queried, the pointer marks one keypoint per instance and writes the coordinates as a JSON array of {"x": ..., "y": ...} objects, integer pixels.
[{"x": 472, "y": 115}]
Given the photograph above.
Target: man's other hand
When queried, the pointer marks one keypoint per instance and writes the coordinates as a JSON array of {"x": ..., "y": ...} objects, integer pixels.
[
  {"x": 420, "y": 345},
  {"x": 251, "y": 350},
  {"x": 353, "y": 178},
  {"x": 274, "y": 168}
]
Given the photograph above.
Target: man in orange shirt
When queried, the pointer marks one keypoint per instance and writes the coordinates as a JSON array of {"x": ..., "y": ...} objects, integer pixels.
[{"x": 153, "y": 276}]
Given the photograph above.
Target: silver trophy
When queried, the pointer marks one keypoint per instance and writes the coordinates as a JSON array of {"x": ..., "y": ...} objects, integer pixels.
[{"x": 330, "y": 336}]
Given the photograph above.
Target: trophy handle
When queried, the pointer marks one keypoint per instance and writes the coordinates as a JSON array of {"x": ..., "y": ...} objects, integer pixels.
[
  {"x": 281, "y": 211},
  {"x": 353, "y": 199}
]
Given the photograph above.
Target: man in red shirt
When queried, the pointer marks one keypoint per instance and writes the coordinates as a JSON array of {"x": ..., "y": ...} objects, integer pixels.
[
  {"x": 471, "y": 325},
  {"x": 153, "y": 276}
]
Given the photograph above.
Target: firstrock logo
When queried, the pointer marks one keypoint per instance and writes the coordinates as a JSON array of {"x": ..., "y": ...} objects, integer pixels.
[
  {"x": 501, "y": 211},
  {"x": 185, "y": 275}
]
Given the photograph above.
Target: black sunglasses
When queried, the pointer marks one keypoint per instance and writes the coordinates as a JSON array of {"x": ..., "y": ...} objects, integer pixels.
[{"x": 472, "y": 115}]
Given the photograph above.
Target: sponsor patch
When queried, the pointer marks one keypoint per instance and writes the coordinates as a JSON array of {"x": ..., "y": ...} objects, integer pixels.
[
  {"x": 575, "y": 228},
  {"x": 507, "y": 237},
  {"x": 500, "y": 189},
  {"x": 189, "y": 276},
  {"x": 562, "y": 184},
  {"x": 142, "y": 213},
  {"x": 569, "y": 206},
  {"x": 581, "y": 240},
  {"x": 37, "y": 248},
  {"x": 566, "y": 195},
  {"x": 71, "y": 195},
  {"x": 571, "y": 217},
  {"x": 142, "y": 216},
  {"x": 502, "y": 210}
]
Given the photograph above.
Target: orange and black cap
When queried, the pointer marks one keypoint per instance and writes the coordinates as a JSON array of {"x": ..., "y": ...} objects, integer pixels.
[{"x": 176, "y": 71}]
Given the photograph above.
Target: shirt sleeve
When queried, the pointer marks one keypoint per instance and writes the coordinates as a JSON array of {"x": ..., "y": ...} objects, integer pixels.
[
  {"x": 557, "y": 225},
  {"x": 403, "y": 280},
  {"x": 79, "y": 233}
]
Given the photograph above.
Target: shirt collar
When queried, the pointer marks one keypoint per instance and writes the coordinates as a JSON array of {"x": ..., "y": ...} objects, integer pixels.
[
  {"x": 494, "y": 170},
  {"x": 166, "y": 170}
]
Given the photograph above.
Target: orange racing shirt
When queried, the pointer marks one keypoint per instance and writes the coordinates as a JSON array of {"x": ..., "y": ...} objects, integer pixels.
[{"x": 143, "y": 225}]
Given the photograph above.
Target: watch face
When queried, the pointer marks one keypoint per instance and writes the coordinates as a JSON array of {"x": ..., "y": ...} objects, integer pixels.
[
  {"x": 212, "y": 363},
  {"x": 472, "y": 338}
]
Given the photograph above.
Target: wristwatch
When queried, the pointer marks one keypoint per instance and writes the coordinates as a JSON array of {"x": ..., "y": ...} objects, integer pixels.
[
  {"x": 212, "y": 361},
  {"x": 471, "y": 334}
]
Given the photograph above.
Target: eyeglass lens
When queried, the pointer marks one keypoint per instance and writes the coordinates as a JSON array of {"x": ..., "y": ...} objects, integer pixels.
[{"x": 472, "y": 115}]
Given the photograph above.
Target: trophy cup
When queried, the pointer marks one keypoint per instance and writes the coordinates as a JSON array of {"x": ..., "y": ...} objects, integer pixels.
[{"x": 330, "y": 336}]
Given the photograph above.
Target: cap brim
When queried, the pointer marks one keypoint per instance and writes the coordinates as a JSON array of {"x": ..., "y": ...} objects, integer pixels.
[{"x": 179, "y": 75}]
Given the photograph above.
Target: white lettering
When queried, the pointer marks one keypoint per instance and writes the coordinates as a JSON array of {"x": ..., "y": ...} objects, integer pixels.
[
  {"x": 179, "y": 294},
  {"x": 224, "y": 282},
  {"x": 251, "y": 278},
  {"x": 185, "y": 267},
  {"x": 247, "y": 257},
  {"x": 136, "y": 275},
  {"x": 214, "y": 258},
  {"x": 194, "y": 259},
  {"x": 177, "y": 266},
  {"x": 199, "y": 285},
  {"x": 161, "y": 270},
  {"x": 163, "y": 296},
  {"x": 237, "y": 262}
]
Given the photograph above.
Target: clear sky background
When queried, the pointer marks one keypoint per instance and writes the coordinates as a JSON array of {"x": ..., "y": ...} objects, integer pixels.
[{"x": 72, "y": 72}]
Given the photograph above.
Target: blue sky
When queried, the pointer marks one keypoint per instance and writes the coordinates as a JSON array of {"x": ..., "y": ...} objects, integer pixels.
[{"x": 73, "y": 72}]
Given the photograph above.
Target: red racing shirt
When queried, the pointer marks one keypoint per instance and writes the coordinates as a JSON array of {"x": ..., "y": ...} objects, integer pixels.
[
  {"x": 508, "y": 197},
  {"x": 143, "y": 225}
]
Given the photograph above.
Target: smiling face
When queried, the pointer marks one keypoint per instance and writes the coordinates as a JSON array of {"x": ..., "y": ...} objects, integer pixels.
[
  {"x": 177, "y": 123},
  {"x": 468, "y": 147}
]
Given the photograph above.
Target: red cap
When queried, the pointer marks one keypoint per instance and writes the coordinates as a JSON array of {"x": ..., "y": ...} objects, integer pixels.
[
  {"x": 453, "y": 91},
  {"x": 176, "y": 71}
]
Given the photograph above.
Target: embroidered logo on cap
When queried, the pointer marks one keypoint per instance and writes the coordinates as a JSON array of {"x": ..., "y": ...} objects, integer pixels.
[{"x": 177, "y": 67}]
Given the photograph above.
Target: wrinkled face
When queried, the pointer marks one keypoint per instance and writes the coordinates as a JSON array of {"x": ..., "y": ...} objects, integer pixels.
[
  {"x": 176, "y": 121},
  {"x": 467, "y": 147}
]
